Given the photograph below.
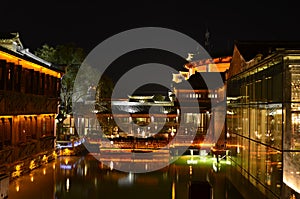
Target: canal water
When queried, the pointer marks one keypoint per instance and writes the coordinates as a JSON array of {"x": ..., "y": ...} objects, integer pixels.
[{"x": 80, "y": 177}]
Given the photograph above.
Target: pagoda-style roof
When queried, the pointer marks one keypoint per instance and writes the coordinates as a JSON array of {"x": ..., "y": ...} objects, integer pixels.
[
  {"x": 26, "y": 57},
  {"x": 10, "y": 44},
  {"x": 216, "y": 60},
  {"x": 10, "y": 40}
]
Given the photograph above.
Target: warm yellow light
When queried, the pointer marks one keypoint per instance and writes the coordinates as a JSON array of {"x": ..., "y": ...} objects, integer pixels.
[
  {"x": 45, "y": 159},
  {"x": 16, "y": 174},
  {"x": 32, "y": 165},
  {"x": 54, "y": 154},
  {"x": 6, "y": 116},
  {"x": 17, "y": 188},
  {"x": 18, "y": 171},
  {"x": 18, "y": 167},
  {"x": 68, "y": 184},
  {"x": 28, "y": 64},
  {"x": 27, "y": 115},
  {"x": 173, "y": 190},
  {"x": 85, "y": 170}
]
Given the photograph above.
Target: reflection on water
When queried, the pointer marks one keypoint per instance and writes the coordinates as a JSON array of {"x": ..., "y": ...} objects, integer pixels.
[{"x": 86, "y": 177}]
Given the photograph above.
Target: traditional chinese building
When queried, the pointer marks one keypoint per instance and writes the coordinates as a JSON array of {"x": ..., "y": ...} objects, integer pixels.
[
  {"x": 29, "y": 91},
  {"x": 217, "y": 64},
  {"x": 140, "y": 110},
  {"x": 201, "y": 87},
  {"x": 201, "y": 102}
]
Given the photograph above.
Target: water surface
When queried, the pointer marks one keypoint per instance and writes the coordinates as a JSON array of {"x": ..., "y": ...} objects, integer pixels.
[{"x": 73, "y": 177}]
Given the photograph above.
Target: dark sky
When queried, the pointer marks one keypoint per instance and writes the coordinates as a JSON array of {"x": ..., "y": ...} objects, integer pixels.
[{"x": 87, "y": 24}]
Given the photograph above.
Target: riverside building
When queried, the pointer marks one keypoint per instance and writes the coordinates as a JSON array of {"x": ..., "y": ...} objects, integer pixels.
[{"x": 29, "y": 93}]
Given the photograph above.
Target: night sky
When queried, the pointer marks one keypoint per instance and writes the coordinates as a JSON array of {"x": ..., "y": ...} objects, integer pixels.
[{"x": 88, "y": 24}]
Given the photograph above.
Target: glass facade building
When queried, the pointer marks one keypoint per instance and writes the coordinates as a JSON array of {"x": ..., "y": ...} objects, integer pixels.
[{"x": 263, "y": 122}]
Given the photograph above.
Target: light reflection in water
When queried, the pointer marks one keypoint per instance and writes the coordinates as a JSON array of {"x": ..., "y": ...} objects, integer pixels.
[
  {"x": 98, "y": 181},
  {"x": 85, "y": 170},
  {"x": 68, "y": 184},
  {"x": 173, "y": 190},
  {"x": 17, "y": 188}
]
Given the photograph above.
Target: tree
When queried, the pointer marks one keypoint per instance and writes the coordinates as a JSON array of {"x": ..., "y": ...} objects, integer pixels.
[
  {"x": 47, "y": 53},
  {"x": 67, "y": 85},
  {"x": 104, "y": 91},
  {"x": 69, "y": 55},
  {"x": 71, "y": 58},
  {"x": 61, "y": 55}
]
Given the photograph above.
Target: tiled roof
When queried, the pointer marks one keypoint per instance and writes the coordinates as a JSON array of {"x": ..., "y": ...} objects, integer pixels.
[
  {"x": 28, "y": 58},
  {"x": 10, "y": 43}
]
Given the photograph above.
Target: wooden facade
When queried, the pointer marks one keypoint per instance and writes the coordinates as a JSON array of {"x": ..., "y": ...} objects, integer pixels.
[{"x": 29, "y": 94}]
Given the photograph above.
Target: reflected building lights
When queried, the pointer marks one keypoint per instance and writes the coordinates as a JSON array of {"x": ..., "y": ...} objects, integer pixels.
[
  {"x": 85, "y": 170},
  {"x": 126, "y": 181},
  {"x": 68, "y": 184},
  {"x": 17, "y": 188},
  {"x": 95, "y": 181},
  {"x": 173, "y": 190},
  {"x": 111, "y": 165},
  {"x": 215, "y": 168}
]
